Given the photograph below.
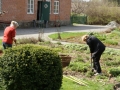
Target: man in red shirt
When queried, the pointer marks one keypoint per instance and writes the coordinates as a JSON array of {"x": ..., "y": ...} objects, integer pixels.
[{"x": 9, "y": 35}]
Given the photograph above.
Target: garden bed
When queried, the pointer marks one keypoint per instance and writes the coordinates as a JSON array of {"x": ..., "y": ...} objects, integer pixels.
[{"x": 79, "y": 65}]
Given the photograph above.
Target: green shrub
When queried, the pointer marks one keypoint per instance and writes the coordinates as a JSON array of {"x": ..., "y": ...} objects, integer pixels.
[
  {"x": 114, "y": 71},
  {"x": 31, "y": 67}
]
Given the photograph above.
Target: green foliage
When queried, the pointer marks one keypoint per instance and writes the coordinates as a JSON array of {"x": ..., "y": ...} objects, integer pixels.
[
  {"x": 111, "y": 51},
  {"x": 92, "y": 84},
  {"x": 110, "y": 39},
  {"x": 31, "y": 67},
  {"x": 76, "y": 47},
  {"x": 89, "y": 74},
  {"x": 80, "y": 67},
  {"x": 79, "y": 59},
  {"x": 114, "y": 71},
  {"x": 101, "y": 77},
  {"x": 102, "y": 37},
  {"x": 115, "y": 33},
  {"x": 58, "y": 50},
  {"x": 110, "y": 42},
  {"x": 113, "y": 63}
]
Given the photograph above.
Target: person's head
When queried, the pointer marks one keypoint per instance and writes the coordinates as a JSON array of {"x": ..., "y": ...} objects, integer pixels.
[
  {"x": 84, "y": 38},
  {"x": 14, "y": 24}
]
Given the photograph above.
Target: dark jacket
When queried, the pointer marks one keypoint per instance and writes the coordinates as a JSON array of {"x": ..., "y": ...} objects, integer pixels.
[{"x": 95, "y": 44}]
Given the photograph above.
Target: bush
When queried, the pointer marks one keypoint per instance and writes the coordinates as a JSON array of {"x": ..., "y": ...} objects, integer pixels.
[
  {"x": 103, "y": 12},
  {"x": 114, "y": 71},
  {"x": 31, "y": 67}
]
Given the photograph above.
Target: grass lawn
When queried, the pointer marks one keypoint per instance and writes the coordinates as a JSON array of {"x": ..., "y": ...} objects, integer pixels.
[
  {"x": 109, "y": 39},
  {"x": 66, "y": 35},
  {"x": 90, "y": 85}
]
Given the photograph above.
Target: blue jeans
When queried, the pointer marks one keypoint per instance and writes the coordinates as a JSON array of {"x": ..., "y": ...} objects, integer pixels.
[{"x": 6, "y": 45}]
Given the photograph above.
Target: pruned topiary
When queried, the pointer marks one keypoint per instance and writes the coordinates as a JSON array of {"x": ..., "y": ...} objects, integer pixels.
[{"x": 31, "y": 67}]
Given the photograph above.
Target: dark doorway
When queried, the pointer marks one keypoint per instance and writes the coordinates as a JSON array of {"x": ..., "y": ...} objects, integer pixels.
[{"x": 39, "y": 10}]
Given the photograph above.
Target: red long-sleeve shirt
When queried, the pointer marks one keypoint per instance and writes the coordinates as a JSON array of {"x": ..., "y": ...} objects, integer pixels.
[{"x": 9, "y": 33}]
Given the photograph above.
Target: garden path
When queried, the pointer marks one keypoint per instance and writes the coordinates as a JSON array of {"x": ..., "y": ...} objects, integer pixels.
[{"x": 33, "y": 32}]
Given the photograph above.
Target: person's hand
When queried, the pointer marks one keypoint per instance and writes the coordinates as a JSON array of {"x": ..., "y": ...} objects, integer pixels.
[{"x": 15, "y": 41}]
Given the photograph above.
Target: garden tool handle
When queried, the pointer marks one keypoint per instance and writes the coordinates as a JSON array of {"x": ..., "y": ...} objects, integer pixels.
[{"x": 91, "y": 61}]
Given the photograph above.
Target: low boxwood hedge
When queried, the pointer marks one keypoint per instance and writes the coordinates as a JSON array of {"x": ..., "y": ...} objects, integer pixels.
[{"x": 31, "y": 67}]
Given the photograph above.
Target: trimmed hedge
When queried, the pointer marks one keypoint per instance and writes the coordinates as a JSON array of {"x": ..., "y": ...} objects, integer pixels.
[{"x": 31, "y": 67}]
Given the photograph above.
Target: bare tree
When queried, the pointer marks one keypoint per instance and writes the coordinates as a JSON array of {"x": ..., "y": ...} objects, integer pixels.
[
  {"x": 98, "y": 11},
  {"x": 78, "y": 6},
  {"x": 82, "y": 7}
]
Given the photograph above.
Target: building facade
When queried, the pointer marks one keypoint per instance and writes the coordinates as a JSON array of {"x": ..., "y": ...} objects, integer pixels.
[{"x": 27, "y": 11}]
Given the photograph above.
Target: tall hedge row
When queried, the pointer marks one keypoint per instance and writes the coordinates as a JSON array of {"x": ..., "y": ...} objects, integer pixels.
[{"x": 31, "y": 67}]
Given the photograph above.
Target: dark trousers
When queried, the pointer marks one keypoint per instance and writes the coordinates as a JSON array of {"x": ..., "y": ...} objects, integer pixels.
[
  {"x": 6, "y": 45},
  {"x": 96, "y": 59}
]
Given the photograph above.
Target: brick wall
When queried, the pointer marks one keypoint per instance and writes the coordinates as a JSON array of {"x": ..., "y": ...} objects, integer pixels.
[
  {"x": 17, "y": 10},
  {"x": 65, "y": 10}
]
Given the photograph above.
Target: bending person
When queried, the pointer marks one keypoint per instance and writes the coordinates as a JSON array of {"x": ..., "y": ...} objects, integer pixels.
[
  {"x": 9, "y": 35},
  {"x": 96, "y": 49}
]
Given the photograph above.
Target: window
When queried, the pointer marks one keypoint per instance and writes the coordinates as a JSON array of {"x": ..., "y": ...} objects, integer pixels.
[
  {"x": 30, "y": 8},
  {"x": 0, "y": 6},
  {"x": 56, "y": 7},
  {"x": 50, "y": 4}
]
